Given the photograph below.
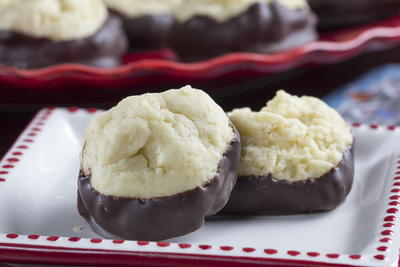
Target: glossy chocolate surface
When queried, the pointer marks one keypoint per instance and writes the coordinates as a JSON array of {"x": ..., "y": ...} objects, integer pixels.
[
  {"x": 262, "y": 28},
  {"x": 162, "y": 217},
  {"x": 103, "y": 49},
  {"x": 335, "y": 14},
  {"x": 266, "y": 195},
  {"x": 147, "y": 32}
]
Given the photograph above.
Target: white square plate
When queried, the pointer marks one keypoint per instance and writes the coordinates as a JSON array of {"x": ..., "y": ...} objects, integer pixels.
[{"x": 39, "y": 221}]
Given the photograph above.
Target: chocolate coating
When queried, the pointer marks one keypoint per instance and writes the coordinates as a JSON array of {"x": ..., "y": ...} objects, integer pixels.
[
  {"x": 162, "y": 217},
  {"x": 335, "y": 14},
  {"x": 261, "y": 28},
  {"x": 103, "y": 49},
  {"x": 147, "y": 32},
  {"x": 266, "y": 195}
]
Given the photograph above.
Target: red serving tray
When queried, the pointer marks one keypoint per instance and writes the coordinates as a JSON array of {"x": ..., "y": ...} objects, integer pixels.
[{"x": 157, "y": 70}]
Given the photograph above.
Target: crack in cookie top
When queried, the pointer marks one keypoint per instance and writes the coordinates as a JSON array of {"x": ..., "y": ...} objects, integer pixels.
[
  {"x": 137, "y": 8},
  {"x": 292, "y": 138},
  {"x": 57, "y": 20},
  {"x": 222, "y": 10},
  {"x": 156, "y": 145}
]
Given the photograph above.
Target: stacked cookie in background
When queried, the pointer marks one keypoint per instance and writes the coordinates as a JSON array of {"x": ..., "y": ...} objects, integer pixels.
[
  {"x": 40, "y": 33},
  {"x": 198, "y": 29}
]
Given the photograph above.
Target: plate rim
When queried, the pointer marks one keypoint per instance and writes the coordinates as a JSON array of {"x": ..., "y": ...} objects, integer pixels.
[{"x": 41, "y": 249}]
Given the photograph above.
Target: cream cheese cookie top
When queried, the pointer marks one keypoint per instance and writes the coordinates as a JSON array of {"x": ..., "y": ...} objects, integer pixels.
[
  {"x": 156, "y": 145},
  {"x": 292, "y": 138},
  {"x": 137, "y": 8},
  {"x": 57, "y": 20},
  {"x": 222, "y": 10}
]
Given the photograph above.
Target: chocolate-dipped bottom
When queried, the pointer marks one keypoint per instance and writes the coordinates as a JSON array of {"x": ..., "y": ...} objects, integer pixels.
[
  {"x": 334, "y": 14},
  {"x": 147, "y": 32},
  {"x": 159, "y": 218},
  {"x": 266, "y": 195},
  {"x": 103, "y": 49},
  {"x": 261, "y": 28}
]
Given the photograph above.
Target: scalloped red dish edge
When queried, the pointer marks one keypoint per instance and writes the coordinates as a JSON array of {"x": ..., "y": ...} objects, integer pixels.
[{"x": 331, "y": 51}]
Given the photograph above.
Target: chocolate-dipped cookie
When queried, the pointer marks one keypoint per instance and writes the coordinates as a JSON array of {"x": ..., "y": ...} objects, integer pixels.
[
  {"x": 205, "y": 29},
  {"x": 297, "y": 157},
  {"x": 334, "y": 14},
  {"x": 155, "y": 165},
  {"x": 147, "y": 23},
  {"x": 40, "y": 33}
]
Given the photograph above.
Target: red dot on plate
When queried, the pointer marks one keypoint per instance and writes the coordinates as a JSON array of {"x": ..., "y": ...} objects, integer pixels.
[
  {"x": 33, "y": 236},
  {"x": 205, "y": 247},
  {"x": 52, "y": 238},
  {"x": 92, "y": 110},
  {"x": 333, "y": 255},
  {"x": 388, "y": 224},
  {"x": 382, "y": 248},
  {"x": 355, "y": 257},
  {"x": 22, "y": 147},
  {"x": 36, "y": 129},
  {"x": 390, "y": 218},
  {"x": 270, "y": 251},
  {"x": 12, "y": 236},
  {"x": 28, "y": 140},
  {"x": 374, "y": 126},
  {"x": 17, "y": 153},
  {"x": 395, "y": 197},
  {"x": 396, "y": 178},
  {"x": 96, "y": 240},
  {"x": 119, "y": 241},
  {"x": 74, "y": 239},
  {"x": 182, "y": 245},
  {"x": 394, "y": 203},
  {"x": 162, "y": 244},
  {"x": 32, "y": 134},
  {"x": 248, "y": 250},
  {"x": 142, "y": 243},
  {"x": 391, "y": 127},
  {"x": 396, "y": 184},
  {"x": 2, "y": 180},
  {"x": 226, "y": 248},
  {"x": 397, "y": 172},
  {"x": 40, "y": 123},
  {"x": 387, "y": 232},
  {"x": 3, "y": 172},
  {"x": 12, "y": 160},
  {"x": 72, "y": 109},
  {"x": 392, "y": 210},
  {"x": 313, "y": 254},
  {"x": 293, "y": 253},
  {"x": 356, "y": 124},
  {"x": 385, "y": 240},
  {"x": 380, "y": 257},
  {"x": 8, "y": 166}
]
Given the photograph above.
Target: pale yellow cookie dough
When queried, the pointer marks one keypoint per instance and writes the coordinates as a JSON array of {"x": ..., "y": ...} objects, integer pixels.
[
  {"x": 137, "y": 8},
  {"x": 156, "y": 145},
  {"x": 57, "y": 20},
  {"x": 292, "y": 138}
]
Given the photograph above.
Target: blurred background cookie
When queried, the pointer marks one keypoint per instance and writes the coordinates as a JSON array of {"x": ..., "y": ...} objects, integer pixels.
[
  {"x": 205, "y": 29},
  {"x": 40, "y": 33}
]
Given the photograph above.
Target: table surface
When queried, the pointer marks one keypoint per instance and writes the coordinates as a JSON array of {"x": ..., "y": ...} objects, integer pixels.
[{"x": 316, "y": 81}]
